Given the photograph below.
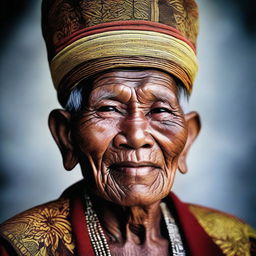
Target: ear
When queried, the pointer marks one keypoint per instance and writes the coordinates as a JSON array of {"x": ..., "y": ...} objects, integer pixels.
[
  {"x": 194, "y": 126},
  {"x": 59, "y": 124}
]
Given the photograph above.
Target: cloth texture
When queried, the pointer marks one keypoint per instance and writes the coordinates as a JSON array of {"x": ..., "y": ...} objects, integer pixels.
[{"x": 59, "y": 228}]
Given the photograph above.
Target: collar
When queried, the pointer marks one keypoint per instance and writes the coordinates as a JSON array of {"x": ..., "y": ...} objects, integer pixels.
[{"x": 196, "y": 241}]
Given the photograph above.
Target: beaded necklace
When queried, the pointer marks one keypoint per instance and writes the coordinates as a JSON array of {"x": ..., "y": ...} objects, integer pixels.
[{"x": 99, "y": 241}]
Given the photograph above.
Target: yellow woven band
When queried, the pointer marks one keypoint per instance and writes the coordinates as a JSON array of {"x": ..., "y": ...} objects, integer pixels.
[{"x": 127, "y": 44}]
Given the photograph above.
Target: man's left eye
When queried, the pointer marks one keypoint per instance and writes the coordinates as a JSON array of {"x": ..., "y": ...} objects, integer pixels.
[{"x": 160, "y": 110}]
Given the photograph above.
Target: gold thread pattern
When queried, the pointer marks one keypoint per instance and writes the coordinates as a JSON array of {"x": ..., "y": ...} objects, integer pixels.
[
  {"x": 41, "y": 231},
  {"x": 100, "y": 11},
  {"x": 154, "y": 11},
  {"x": 230, "y": 234},
  {"x": 65, "y": 17},
  {"x": 141, "y": 9},
  {"x": 181, "y": 14}
]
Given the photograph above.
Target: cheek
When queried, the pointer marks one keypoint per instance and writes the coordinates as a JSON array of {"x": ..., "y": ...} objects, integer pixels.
[
  {"x": 178, "y": 141},
  {"x": 170, "y": 137},
  {"x": 95, "y": 137}
]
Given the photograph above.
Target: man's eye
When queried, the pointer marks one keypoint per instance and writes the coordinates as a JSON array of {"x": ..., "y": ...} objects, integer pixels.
[
  {"x": 107, "y": 109},
  {"x": 160, "y": 110}
]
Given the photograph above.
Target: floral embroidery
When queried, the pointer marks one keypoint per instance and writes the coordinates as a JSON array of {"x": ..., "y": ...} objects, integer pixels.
[
  {"x": 63, "y": 20},
  {"x": 96, "y": 12},
  {"x": 66, "y": 16},
  {"x": 44, "y": 230},
  {"x": 229, "y": 233},
  {"x": 185, "y": 14}
]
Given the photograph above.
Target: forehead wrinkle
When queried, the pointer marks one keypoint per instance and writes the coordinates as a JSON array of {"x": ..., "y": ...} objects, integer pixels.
[
  {"x": 132, "y": 75},
  {"x": 154, "y": 92},
  {"x": 166, "y": 81},
  {"x": 119, "y": 83},
  {"x": 116, "y": 80}
]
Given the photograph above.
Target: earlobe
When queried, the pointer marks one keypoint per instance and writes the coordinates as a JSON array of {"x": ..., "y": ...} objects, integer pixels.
[
  {"x": 193, "y": 126},
  {"x": 59, "y": 124}
]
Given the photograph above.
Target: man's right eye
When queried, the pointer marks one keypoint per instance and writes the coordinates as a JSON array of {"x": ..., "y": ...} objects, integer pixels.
[{"x": 107, "y": 109}]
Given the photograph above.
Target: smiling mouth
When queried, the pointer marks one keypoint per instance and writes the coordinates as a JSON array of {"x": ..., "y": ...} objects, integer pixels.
[{"x": 133, "y": 168}]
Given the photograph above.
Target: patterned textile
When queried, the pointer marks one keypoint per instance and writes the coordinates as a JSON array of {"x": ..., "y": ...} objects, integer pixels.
[
  {"x": 108, "y": 31},
  {"x": 44, "y": 230},
  {"x": 56, "y": 228},
  {"x": 232, "y": 235}
]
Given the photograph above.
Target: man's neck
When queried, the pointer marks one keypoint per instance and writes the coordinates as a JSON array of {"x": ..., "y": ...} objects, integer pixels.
[{"x": 136, "y": 225}]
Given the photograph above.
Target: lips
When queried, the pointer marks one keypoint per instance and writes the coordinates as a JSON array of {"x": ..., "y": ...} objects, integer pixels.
[{"x": 134, "y": 168}]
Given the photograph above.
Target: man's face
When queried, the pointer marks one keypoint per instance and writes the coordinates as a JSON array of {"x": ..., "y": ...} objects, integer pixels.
[{"x": 129, "y": 136}]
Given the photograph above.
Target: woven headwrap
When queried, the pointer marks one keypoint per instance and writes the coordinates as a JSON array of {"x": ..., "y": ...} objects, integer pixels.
[{"x": 86, "y": 37}]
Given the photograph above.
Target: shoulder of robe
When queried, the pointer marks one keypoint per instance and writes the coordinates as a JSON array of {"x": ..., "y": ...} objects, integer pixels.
[
  {"x": 232, "y": 235},
  {"x": 42, "y": 230}
]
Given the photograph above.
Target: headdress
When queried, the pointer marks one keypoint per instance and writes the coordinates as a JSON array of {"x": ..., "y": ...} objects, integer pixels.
[{"x": 86, "y": 37}]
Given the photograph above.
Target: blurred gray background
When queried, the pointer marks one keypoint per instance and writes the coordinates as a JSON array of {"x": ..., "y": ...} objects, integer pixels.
[{"x": 222, "y": 163}]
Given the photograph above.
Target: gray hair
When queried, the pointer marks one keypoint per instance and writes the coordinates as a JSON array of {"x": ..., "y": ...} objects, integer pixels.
[
  {"x": 76, "y": 98},
  {"x": 74, "y": 102}
]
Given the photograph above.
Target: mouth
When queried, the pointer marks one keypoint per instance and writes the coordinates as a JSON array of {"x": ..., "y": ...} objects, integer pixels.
[{"x": 134, "y": 168}]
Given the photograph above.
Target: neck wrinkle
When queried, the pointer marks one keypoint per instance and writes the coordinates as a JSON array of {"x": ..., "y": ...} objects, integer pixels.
[{"x": 136, "y": 224}]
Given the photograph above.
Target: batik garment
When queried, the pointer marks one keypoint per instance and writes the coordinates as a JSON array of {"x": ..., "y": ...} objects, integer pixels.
[{"x": 59, "y": 228}]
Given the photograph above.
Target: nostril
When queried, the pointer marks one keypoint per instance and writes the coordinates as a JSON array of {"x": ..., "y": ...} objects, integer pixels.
[{"x": 126, "y": 146}]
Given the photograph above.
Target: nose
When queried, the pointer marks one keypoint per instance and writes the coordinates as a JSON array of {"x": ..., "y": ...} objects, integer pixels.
[{"x": 134, "y": 134}]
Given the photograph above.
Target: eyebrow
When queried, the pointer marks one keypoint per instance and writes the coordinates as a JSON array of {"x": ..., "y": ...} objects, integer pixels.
[
  {"x": 165, "y": 94},
  {"x": 162, "y": 97},
  {"x": 107, "y": 92}
]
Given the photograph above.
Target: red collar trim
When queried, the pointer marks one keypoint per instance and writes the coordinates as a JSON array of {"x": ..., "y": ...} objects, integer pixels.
[
  {"x": 79, "y": 228},
  {"x": 196, "y": 239}
]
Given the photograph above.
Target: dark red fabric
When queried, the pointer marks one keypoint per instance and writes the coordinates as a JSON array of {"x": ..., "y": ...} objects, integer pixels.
[
  {"x": 196, "y": 239},
  {"x": 80, "y": 232},
  {"x": 6, "y": 248},
  {"x": 123, "y": 25},
  {"x": 3, "y": 251}
]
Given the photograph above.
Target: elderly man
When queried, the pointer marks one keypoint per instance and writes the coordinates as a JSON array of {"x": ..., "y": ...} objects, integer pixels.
[{"x": 123, "y": 70}]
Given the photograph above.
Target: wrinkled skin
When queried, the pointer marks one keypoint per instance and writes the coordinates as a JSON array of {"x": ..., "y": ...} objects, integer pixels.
[
  {"x": 129, "y": 139},
  {"x": 131, "y": 132}
]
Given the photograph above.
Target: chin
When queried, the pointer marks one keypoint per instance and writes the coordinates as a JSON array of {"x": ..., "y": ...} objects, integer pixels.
[{"x": 140, "y": 195}]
